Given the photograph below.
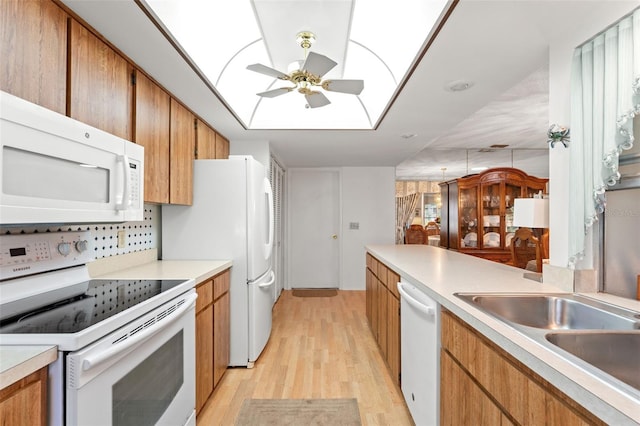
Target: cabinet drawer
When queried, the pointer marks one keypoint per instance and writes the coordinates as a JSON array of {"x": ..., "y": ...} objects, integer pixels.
[
  {"x": 392, "y": 282},
  {"x": 205, "y": 295},
  {"x": 221, "y": 284}
]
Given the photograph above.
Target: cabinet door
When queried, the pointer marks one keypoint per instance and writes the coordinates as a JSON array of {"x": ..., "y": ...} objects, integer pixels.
[
  {"x": 33, "y": 48},
  {"x": 204, "y": 356},
  {"x": 462, "y": 402},
  {"x": 368, "y": 293},
  {"x": 222, "y": 147},
  {"x": 393, "y": 336},
  {"x": 24, "y": 403},
  {"x": 100, "y": 84},
  {"x": 492, "y": 215},
  {"x": 221, "y": 337},
  {"x": 382, "y": 318},
  {"x": 468, "y": 214},
  {"x": 182, "y": 149},
  {"x": 205, "y": 141},
  {"x": 152, "y": 117}
]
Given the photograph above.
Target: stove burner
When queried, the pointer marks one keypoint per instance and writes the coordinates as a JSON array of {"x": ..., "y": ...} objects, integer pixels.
[{"x": 98, "y": 300}]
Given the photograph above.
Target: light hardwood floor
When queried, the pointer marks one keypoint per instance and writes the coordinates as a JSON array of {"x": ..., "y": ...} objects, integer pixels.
[{"x": 320, "y": 347}]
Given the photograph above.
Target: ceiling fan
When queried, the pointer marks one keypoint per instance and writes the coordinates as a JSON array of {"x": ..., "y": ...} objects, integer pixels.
[{"x": 309, "y": 76}]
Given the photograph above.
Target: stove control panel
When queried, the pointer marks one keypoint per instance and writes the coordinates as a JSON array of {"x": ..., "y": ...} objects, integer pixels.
[{"x": 25, "y": 254}]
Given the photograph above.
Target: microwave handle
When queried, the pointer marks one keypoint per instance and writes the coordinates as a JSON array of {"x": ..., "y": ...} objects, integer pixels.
[
  {"x": 126, "y": 189},
  {"x": 92, "y": 361}
]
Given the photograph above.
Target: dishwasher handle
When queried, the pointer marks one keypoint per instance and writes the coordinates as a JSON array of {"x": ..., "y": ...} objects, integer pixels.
[{"x": 427, "y": 310}]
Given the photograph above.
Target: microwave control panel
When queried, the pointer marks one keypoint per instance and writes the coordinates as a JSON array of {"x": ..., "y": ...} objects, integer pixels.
[{"x": 25, "y": 254}]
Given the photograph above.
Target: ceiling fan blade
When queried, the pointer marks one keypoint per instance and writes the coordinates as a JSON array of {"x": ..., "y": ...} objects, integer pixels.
[
  {"x": 353, "y": 87},
  {"x": 316, "y": 99},
  {"x": 275, "y": 92},
  {"x": 318, "y": 64},
  {"x": 263, "y": 69}
]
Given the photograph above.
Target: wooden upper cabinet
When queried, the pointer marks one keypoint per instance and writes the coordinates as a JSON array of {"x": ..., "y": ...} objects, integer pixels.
[
  {"x": 182, "y": 148},
  {"x": 205, "y": 141},
  {"x": 152, "y": 118},
  {"x": 211, "y": 144},
  {"x": 100, "y": 84},
  {"x": 222, "y": 146},
  {"x": 33, "y": 48}
]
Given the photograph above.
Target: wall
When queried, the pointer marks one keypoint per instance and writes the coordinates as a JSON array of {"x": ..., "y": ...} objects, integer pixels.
[
  {"x": 368, "y": 197},
  {"x": 560, "y": 56},
  {"x": 139, "y": 235},
  {"x": 258, "y": 149}
]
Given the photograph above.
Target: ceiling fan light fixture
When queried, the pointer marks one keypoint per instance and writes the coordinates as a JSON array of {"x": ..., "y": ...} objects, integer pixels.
[{"x": 307, "y": 74}]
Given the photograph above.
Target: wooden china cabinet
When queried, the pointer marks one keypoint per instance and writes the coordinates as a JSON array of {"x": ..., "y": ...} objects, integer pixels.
[{"x": 478, "y": 216}]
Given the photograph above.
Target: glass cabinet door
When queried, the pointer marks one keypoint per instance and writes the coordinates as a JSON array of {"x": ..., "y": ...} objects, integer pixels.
[
  {"x": 511, "y": 193},
  {"x": 468, "y": 217},
  {"x": 491, "y": 215}
]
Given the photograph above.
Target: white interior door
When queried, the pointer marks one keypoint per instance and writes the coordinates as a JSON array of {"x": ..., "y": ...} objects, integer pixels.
[{"x": 314, "y": 224}]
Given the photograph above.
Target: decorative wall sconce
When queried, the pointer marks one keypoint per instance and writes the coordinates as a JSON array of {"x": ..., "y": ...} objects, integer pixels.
[{"x": 557, "y": 134}]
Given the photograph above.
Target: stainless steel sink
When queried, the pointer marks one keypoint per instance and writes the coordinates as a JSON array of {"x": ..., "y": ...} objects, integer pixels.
[
  {"x": 600, "y": 338},
  {"x": 616, "y": 353},
  {"x": 554, "y": 311}
]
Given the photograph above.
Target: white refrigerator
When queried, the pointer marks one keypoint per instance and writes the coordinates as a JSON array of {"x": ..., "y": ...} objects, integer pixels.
[{"x": 231, "y": 218}]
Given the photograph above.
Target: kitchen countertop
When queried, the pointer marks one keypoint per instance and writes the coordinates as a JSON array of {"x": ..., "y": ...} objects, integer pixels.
[
  {"x": 441, "y": 273},
  {"x": 199, "y": 270},
  {"x": 17, "y": 362}
]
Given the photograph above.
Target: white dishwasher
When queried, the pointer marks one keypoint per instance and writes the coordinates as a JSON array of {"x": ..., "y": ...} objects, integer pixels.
[{"x": 420, "y": 354}]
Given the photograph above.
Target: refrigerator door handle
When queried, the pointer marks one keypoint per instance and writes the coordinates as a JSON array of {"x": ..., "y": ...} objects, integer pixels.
[
  {"x": 269, "y": 245},
  {"x": 272, "y": 279}
]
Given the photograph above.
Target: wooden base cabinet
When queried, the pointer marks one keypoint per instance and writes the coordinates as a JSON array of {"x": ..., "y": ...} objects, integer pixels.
[
  {"x": 212, "y": 335},
  {"x": 24, "y": 403},
  {"x": 482, "y": 384},
  {"x": 383, "y": 312}
]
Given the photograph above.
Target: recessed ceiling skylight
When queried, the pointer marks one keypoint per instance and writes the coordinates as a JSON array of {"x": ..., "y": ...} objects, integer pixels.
[{"x": 375, "y": 41}]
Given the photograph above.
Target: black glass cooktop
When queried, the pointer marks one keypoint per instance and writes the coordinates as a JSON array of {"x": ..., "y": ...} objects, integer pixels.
[{"x": 80, "y": 306}]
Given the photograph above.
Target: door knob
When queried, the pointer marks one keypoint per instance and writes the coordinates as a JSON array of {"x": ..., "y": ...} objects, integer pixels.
[{"x": 334, "y": 236}]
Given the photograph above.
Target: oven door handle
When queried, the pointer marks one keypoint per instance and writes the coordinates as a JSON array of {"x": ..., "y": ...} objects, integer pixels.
[{"x": 92, "y": 361}]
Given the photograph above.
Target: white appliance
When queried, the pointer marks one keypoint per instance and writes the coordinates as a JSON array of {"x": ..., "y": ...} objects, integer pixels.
[
  {"x": 231, "y": 218},
  {"x": 126, "y": 348},
  {"x": 420, "y": 354},
  {"x": 59, "y": 170}
]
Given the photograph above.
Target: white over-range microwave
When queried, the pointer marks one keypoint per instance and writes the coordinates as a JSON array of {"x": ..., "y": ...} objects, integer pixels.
[{"x": 59, "y": 170}]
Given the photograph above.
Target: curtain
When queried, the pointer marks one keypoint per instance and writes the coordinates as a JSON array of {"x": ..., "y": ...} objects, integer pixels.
[
  {"x": 405, "y": 208},
  {"x": 605, "y": 96}
]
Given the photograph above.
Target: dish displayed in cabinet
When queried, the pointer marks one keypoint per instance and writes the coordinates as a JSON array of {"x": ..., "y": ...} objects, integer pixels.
[
  {"x": 491, "y": 239},
  {"x": 508, "y": 238},
  {"x": 491, "y": 220},
  {"x": 470, "y": 240}
]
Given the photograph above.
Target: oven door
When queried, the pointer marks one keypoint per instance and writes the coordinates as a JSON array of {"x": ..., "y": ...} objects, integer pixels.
[{"x": 142, "y": 374}]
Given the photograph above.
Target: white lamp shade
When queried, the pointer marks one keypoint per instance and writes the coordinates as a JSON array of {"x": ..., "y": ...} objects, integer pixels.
[{"x": 531, "y": 212}]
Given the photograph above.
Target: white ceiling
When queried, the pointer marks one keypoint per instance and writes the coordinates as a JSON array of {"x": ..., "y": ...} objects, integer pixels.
[{"x": 502, "y": 46}]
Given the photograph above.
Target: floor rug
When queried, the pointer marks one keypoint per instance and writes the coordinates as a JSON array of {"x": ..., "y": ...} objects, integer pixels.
[
  {"x": 315, "y": 292},
  {"x": 307, "y": 412}
]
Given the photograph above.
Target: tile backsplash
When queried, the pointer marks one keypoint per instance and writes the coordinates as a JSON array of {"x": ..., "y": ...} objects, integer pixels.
[{"x": 139, "y": 235}]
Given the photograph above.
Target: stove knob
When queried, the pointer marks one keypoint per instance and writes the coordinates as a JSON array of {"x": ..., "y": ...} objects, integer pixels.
[
  {"x": 64, "y": 248},
  {"x": 82, "y": 245}
]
